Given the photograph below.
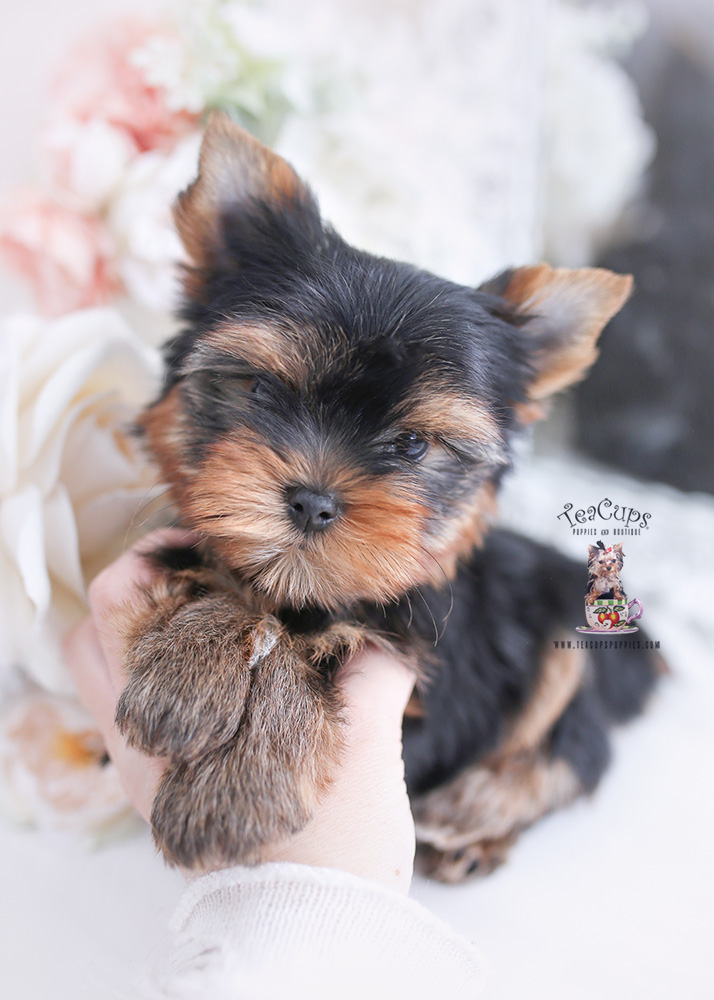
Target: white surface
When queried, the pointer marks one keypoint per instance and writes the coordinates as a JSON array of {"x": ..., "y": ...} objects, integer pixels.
[{"x": 78, "y": 924}]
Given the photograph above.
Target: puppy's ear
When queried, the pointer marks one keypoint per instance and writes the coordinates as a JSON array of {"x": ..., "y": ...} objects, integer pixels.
[
  {"x": 237, "y": 177},
  {"x": 562, "y": 312},
  {"x": 592, "y": 551}
]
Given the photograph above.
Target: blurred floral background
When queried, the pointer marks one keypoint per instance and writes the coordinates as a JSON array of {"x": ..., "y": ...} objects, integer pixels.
[{"x": 464, "y": 136}]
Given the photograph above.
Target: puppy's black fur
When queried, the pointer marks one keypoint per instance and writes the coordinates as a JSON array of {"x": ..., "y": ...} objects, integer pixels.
[{"x": 511, "y": 600}]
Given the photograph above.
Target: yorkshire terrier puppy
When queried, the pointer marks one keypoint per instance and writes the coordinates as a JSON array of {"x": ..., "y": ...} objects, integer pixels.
[
  {"x": 335, "y": 427},
  {"x": 604, "y": 568}
]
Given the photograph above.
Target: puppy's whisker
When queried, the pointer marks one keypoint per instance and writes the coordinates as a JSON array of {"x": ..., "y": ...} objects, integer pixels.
[
  {"x": 411, "y": 611},
  {"x": 172, "y": 523},
  {"x": 447, "y": 580},
  {"x": 431, "y": 615},
  {"x": 156, "y": 513},
  {"x": 146, "y": 500},
  {"x": 141, "y": 506}
]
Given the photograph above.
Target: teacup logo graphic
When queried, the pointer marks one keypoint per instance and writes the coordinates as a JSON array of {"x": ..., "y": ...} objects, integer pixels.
[{"x": 607, "y": 608}]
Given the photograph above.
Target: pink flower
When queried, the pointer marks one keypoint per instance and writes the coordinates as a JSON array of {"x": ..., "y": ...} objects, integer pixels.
[
  {"x": 65, "y": 255},
  {"x": 98, "y": 81}
]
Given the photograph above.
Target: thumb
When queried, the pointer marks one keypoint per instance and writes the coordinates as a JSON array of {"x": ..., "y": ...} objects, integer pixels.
[
  {"x": 363, "y": 823},
  {"x": 376, "y": 688}
]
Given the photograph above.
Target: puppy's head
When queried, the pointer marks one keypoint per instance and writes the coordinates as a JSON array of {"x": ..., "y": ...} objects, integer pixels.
[
  {"x": 605, "y": 562},
  {"x": 335, "y": 423}
]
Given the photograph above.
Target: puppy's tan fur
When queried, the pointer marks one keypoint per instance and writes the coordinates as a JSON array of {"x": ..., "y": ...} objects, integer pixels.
[{"x": 470, "y": 823}]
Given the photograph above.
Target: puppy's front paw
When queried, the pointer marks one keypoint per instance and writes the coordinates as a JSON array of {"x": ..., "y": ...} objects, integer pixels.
[
  {"x": 263, "y": 787},
  {"x": 189, "y": 677},
  {"x": 221, "y": 811}
]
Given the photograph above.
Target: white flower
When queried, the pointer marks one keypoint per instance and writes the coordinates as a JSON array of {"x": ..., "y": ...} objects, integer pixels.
[
  {"x": 477, "y": 136},
  {"x": 224, "y": 53},
  {"x": 424, "y": 158},
  {"x": 147, "y": 247},
  {"x": 54, "y": 773},
  {"x": 84, "y": 161},
  {"x": 71, "y": 476}
]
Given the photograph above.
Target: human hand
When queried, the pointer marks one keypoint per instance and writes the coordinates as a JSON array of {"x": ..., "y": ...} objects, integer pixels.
[{"x": 363, "y": 824}]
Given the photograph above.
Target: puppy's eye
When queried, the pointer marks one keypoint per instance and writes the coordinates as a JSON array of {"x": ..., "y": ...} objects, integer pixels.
[
  {"x": 233, "y": 388},
  {"x": 257, "y": 386},
  {"x": 226, "y": 389},
  {"x": 410, "y": 446}
]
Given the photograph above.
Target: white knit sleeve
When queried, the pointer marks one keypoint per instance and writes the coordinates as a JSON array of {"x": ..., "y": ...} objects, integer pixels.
[{"x": 282, "y": 930}]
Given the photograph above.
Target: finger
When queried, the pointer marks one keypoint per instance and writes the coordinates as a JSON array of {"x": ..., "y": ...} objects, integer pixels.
[
  {"x": 139, "y": 775},
  {"x": 85, "y": 658},
  {"x": 131, "y": 570},
  {"x": 118, "y": 584}
]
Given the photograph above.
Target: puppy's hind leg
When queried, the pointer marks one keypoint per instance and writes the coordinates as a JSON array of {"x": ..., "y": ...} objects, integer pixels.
[
  {"x": 557, "y": 748},
  {"x": 494, "y": 803}
]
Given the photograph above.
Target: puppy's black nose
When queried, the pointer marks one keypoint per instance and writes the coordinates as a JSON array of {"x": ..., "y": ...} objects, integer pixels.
[{"x": 311, "y": 511}]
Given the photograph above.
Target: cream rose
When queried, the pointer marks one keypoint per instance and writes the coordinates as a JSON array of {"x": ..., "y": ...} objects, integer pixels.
[{"x": 73, "y": 481}]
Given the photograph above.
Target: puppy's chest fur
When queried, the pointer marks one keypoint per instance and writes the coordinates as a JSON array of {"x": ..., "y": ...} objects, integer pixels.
[
  {"x": 605, "y": 584},
  {"x": 324, "y": 637}
]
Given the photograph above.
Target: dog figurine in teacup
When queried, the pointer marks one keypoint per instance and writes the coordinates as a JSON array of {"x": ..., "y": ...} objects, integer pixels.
[{"x": 606, "y": 604}]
